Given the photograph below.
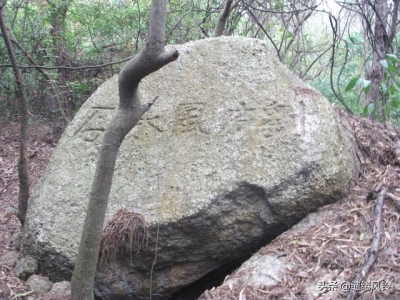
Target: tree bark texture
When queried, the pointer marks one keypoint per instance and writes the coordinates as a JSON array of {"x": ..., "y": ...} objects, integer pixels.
[
  {"x": 380, "y": 47},
  {"x": 59, "y": 11},
  {"x": 130, "y": 110},
  {"x": 23, "y": 174},
  {"x": 219, "y": 29}
]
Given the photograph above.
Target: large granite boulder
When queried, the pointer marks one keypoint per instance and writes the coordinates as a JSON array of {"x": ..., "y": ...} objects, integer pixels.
[{"x": 235, "y": 150}]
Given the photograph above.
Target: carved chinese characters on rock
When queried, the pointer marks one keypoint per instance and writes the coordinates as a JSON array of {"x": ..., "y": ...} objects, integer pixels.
[
  {"x": 193, "y": 119},
  {"x": 92, "y": 127},
  {"x": 94, "y": 124},
  {"x": 189, "y": 118}
]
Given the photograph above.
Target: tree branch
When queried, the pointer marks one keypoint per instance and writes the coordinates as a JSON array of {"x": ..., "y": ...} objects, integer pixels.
[
  {"x": 23, "y": 172},
  {"x": 36, "y": 66},
  {"x": 43, "y": 72},
  {"x": 373, "y": 251}
]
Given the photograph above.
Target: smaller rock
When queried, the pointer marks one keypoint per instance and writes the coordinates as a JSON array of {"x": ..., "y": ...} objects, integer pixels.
[
  {"x": 259, "y": 271},
  {"x": 59, "y": 291},
  {"x": 39, "y": 284},
  {"x": 26, "y": 267},
  {"x": 15, "y": 240},
  {"x": 9, "y": 259}
]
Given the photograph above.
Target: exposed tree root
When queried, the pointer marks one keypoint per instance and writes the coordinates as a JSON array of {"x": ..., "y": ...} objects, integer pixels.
[{"x": 123, "y": 231}]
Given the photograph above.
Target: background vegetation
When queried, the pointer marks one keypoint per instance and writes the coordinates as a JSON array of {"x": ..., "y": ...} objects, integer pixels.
[{"x": 78, "y": 44}]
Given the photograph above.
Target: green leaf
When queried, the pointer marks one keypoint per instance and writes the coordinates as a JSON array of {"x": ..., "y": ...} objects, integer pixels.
[
  {"x": 384, "y": 64},
  {"x": 368, "y": 109},
  {"x": 393, "y": 69},
  {"x": 352, "y": 83},
  {"x": 362, "y": 236},
  {"x": 366, "y": 85},
  {"x": 392, "y": 57},
  {"x": 394, "y": 103},
  {"x": 384, "y": 87},
  {"x": 371, "y": 108},
  {"x": 392, "y": 89}
]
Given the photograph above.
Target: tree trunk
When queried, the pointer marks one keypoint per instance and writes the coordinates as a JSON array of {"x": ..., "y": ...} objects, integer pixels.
[
  {"x": 59, "y": 12},
  {"x": 23, "y": 173},
  {"x": 45, "y": 75},
  {"x": 130, "y": 110},
  {"x": 219, "y": 29},
  {"x": 380, "y": 47}
]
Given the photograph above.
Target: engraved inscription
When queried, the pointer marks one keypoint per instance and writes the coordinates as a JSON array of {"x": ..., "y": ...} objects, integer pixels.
[
  {"x": 188, "y": 118},
  {"x": 234, "y": 119},
  {"x": 156, "y": 123},
  {"x": 191, "y": 119},
  {"x": 94, "y": 124}
]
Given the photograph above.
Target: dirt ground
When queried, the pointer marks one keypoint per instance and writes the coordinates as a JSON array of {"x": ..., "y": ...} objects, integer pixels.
[
  {"x": 42, "y": 141},
  {"x": 340, "y": 245}
]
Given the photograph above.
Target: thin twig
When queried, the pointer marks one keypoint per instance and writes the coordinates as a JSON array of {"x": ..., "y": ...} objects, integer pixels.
[
  {"x": 373, "y": 252},
  {"x": 71, "y": 68},
  {"x": 7, "y": 184},
  {"x": 395, "y": 199}
]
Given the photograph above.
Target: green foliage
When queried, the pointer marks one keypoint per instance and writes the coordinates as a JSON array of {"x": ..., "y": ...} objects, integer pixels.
[
  {"x": 357, "y": 82},
  {"x": 389, "y": 89},
  {"x": 102, "y": 31}
]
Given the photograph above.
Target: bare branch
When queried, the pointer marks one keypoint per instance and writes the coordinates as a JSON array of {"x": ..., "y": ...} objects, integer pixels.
[
  {"x": 265, "y": 32},
  {"x": 43, "y": 72},
  {"x": 373, "y": 251},
  {"x": 36, "y": 66}
]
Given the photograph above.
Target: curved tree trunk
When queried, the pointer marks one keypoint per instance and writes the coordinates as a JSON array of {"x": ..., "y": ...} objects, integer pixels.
[
  {"x": 219, "y": 29},
  {"x": 23, "y": 173},
  {"x": 130, "y": 110}
]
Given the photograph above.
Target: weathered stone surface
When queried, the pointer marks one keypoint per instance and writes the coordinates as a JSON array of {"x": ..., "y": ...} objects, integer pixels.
[
  {"x": 25, "y": 267},
  {"x": 59, "y": 291},
  {"x": 9, "y": 259},
  {"x": 15, "y": 240},
  {"x": 264, "y": 270},
  {"x": 235, "y": 150},
  {"x": 259, "y": 272},
  {"x": 39, "y": 284}
]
